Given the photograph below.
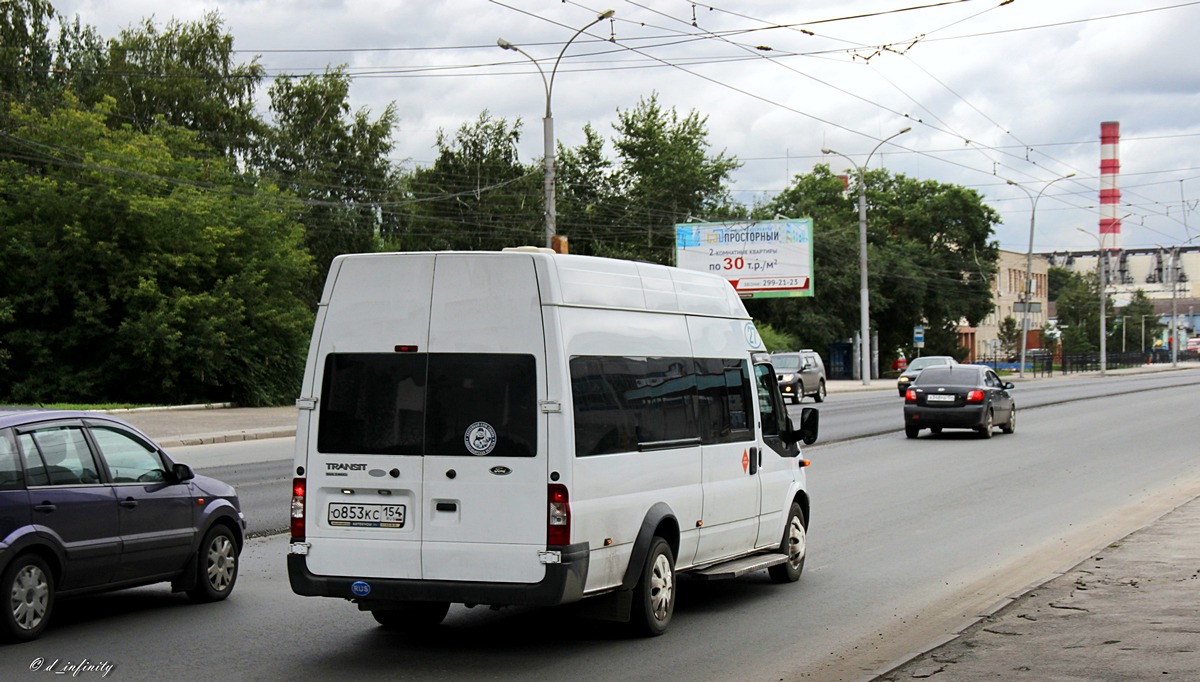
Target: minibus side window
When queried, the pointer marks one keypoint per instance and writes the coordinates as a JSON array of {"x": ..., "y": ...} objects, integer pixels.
[
  {"x": 774, "y": 416},
  {"x": 625, "y": 404},
  {"x": 724, "y": 400},
  {"x": 775, "y": 420}
]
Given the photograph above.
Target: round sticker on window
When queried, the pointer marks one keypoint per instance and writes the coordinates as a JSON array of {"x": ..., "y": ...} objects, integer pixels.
[
  {"x": 480, "y": 438},
  {"x": 752, "y": 336}
]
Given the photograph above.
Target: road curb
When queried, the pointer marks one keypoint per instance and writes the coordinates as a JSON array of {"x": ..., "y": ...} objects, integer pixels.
[{"x": 211, "y": 438}]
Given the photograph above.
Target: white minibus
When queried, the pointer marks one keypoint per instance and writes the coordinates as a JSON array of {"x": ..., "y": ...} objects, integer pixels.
[{"x": 531, "y": 428}]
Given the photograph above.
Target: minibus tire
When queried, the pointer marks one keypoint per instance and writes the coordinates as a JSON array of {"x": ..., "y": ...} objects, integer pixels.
[
  {"x": 654, "y": 595},
  {"x": 415, "y": 615},
  {"x": 794, "y": 544}
]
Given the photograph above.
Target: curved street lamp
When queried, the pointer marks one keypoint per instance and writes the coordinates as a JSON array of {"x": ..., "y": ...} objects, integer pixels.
[
  {"x": 863, "y": 295},
  {"x": 548, "y": 120},
  {"x": 1029, "y": 268}
]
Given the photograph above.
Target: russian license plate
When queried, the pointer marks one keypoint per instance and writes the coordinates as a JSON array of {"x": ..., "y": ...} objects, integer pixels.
[
  {"x": 939, "y": 398},
  {"x": 366, "y": 515}
]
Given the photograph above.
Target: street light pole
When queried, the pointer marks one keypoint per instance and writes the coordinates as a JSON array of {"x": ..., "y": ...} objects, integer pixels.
[
  {"x": 551, "y": 212},
  {"x": 1029, "y": 265},
  {"x": 864, "y": 295},
  {"x": 1174, "y": 310},
  {"x": 1100, "y": 268},
  {"x": 1172, "y": 274}
]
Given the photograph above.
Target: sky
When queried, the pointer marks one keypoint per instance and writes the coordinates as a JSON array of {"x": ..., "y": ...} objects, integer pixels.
[{"x": 994, "y": 91}]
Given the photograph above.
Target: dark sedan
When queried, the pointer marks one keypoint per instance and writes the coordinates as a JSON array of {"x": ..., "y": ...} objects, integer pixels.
[
  {"x": 959, "y": 397},
  {"x": 915, "y": 368},
  {"x": 89, "y": 504}
]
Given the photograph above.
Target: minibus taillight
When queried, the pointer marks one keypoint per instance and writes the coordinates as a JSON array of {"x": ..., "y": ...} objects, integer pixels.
[
  {"x": 558, "y": 520},
  {"x": 298, "y": 489}
]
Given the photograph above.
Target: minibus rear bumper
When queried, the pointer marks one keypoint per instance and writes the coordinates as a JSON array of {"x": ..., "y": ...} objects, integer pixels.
[{"x": 562, "y": 584}]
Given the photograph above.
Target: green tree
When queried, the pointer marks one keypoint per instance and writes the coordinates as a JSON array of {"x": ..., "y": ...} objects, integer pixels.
[
  {"x": 1056, "y": 279},
  {"x": 35, "y": 68},
  {"x": 1133, "y": 318},
  {"x": 26, "y": 51},
  {"x": 930, "y": 260},
  {"x": 663, "y": 175},
  {"x": 1009, "y": 335},
  {"x": 184, "y": 74},
  {"x": 334, "y": 161},
  {"x": 832, "y": 313},
  {"x": 1078, "y": 306},
  {"x": 937, "y": 252},
  {"x": 139, "y": 269},
  {"x": 477, "y": 194},
  {"x": 587, "y": 198},
  {"x": 776, "y": 341}
]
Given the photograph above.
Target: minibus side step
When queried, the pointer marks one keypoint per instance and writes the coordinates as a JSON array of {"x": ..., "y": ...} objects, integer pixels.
[{"x": 739, "y": 567}]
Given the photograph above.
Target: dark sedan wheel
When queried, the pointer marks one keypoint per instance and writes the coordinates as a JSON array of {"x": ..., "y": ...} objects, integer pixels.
[
  {"x": 911, "y": 431},
  {"x": 217, "y": 564},
  {"x": 1011, "y": 425},
  {"x": 28, "y": 585},
  {"x": 988, "y": 423}
]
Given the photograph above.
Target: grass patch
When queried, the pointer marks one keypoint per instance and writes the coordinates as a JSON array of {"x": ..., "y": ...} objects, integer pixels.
[{"x": 93, "y": 407}]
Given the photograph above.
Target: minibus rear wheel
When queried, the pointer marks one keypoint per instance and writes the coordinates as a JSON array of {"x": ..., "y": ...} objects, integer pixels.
[{"x": 654, "y": 596}]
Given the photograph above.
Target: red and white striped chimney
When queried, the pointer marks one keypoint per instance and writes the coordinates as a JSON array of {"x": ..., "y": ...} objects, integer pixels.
[{"x": 1110, "y": 190}]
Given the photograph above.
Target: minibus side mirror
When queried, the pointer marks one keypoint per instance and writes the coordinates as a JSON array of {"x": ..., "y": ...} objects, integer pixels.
[{"x": 809, "y": 419}]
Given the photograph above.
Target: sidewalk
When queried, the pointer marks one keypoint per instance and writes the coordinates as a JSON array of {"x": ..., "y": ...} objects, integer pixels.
[
  {"x": 1132, "y": 612},
  {"x": 204, "y": 425}
]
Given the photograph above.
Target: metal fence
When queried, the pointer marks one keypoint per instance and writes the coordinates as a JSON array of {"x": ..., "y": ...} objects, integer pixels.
[{"x": 1043, "y": 364}]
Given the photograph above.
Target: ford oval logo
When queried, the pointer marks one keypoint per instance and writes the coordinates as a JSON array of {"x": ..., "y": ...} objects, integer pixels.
[
  {"x": 360, "y": 588},
  {"x": 501, "y": 471}
]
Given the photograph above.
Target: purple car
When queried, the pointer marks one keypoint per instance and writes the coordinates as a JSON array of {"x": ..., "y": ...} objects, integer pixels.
[{"x": 89, "y": 504}]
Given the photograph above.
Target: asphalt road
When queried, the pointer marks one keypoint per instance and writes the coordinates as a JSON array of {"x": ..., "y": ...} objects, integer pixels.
[{"x": 908, "y": 540}]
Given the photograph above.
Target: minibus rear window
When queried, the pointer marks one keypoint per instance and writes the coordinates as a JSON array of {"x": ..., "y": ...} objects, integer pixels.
[{"x": 417, "y": 404}]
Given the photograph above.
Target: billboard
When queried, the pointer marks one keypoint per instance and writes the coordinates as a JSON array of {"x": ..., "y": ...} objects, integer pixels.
[{"x": 761, "y": 259}]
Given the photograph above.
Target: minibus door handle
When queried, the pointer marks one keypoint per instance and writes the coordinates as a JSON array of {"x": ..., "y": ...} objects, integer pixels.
[{"x": 754, "y": 461}]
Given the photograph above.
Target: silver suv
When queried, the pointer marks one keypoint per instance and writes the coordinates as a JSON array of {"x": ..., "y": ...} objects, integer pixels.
[{"x": 800, "y": 374}]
